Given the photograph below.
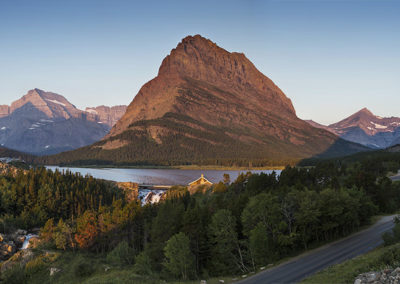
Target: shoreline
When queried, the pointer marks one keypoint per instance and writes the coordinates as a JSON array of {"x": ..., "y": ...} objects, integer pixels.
[{"x": 183, "y": 167}]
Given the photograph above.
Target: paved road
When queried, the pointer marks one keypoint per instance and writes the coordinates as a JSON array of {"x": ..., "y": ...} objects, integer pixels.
[
  {"x": 307, "y": 264},
  {"x": 396, "y": 177}
]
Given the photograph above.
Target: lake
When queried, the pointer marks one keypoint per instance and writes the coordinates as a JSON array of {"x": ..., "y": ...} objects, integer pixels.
[{"x": 157, "y": 176}]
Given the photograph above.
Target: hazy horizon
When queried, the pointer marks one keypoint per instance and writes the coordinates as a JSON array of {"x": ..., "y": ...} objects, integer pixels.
[{"x": 331, "y": 58}]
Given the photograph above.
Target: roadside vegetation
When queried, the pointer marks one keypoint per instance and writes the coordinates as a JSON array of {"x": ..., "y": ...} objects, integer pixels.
[
  {"x": 384, "y": 257},
  {"x": 234, "y": 228}
]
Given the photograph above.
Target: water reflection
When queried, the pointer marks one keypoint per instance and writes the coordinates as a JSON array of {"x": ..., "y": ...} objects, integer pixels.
[{"x": 157, "y": 176}]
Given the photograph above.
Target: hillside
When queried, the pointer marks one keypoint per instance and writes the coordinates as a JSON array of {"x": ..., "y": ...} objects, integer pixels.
[{"x": 209, "y": 106}]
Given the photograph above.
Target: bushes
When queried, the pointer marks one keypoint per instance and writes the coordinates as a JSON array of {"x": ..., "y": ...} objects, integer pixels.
[
  {"x": 390, "y": 238},
  {"x": 122, "y": 254},
  {"x": 391, "y": 257},
  {"x": 15, "y": 275},
  {"x": 35, "y": 265},
  {"x": 143, "y": 264},
  {"x": 83, "y": 269}
]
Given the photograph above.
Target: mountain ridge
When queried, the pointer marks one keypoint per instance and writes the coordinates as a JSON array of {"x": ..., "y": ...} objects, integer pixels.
[
  {"x": 43, "y": 122},
  {"x": 207, "y": 104},
  {"x": 366, "y": 128}
]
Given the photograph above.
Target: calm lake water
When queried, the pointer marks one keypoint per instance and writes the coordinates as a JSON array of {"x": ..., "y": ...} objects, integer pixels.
[{"x": 157, "y": 176}]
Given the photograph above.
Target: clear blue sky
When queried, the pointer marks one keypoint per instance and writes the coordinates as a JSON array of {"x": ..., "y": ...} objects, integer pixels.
[{"x": 330, "y": 57}]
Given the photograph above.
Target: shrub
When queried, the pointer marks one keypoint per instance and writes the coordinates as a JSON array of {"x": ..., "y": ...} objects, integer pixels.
[
  {"x": 122, "y": 254},
  {"x": 83, "y": 269},
  {"x": 143, "y": 265},
  {"x": 35, "y": 265},
  {"x": 393, "y": 237},
  {"x": 391, "y": 257}
]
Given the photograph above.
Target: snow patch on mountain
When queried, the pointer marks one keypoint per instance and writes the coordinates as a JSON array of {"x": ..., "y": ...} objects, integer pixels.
[
  {"x": 56, "y": 102},
  {"x": 91, "y": 111},
  {"x": 379, "y": 126}
]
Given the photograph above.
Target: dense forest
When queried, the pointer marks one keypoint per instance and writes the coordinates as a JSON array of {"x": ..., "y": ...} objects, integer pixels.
[
  {"x": 184, "y": 144},
  {"x": 234, "y": 227}
]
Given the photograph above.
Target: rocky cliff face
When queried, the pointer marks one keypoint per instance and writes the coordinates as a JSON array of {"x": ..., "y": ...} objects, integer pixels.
[
  {"x": 367, "y": 129},
  {"x": 209, "y": 105},
  {"x": 202, "y": 80},
  {"x": 4, "y": 110},
  {"x": 108, "y": 115},
  {"x": 44, "y": 122}
]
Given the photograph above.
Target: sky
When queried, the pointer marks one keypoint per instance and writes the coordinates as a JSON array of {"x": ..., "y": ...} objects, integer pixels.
[{"x": 330, "y": 57}]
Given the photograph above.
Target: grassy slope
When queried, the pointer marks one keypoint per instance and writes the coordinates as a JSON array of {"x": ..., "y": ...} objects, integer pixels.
[
  {"x": 347, "y": 271},
  {"x": 95, "y": 270}
]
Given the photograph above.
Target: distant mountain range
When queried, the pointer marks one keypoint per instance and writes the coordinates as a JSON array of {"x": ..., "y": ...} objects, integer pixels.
[
  {"x": 107, "y": 115},
  {"x": 46, "y": 123},
  {"x": 209, "y": 106},
  {"x": 367, "y": 129}
]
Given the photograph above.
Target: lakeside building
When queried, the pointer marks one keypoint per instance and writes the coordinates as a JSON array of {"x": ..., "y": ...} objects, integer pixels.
[{"x": 201, "y": 181}]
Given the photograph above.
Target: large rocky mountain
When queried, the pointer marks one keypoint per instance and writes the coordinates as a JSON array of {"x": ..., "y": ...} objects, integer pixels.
[
  {"x": 210, "y": 106},
  {"x": 367, "y": 129},
  {"x": 108, "y": 115},
  {"x": 46, "y": 123}
]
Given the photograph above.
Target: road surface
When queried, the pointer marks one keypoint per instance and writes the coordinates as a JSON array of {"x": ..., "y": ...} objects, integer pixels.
[
  {"x": 396, "y": 177},
  {"x": 309, "y": 263}
]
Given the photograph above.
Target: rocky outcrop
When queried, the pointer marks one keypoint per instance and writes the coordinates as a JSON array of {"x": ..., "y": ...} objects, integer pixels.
[
  {"x": 11, "y": 243},
  {"x": 108, "y": 115},
  {"x": 7, "y": 249},
  {"x": 387, "y": 276},
  {"x": 19, "y": 258},
  {"x": 54, "y": 270},
  {"x": 4, "y": 110},
  {"x": 131, "y": 190}
]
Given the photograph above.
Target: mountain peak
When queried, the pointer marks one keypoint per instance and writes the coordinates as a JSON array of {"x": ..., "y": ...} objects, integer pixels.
[
  {"x": 34, "y": 92},
  {"x": 368, "y": 129},
  {"x": 197, "y": 72},
  {"x": 196, "y": 40},
  {"x": 199, "y": 58},
  {"x": 51, "y": 104},
  {"x": 366, "y": 111}
]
